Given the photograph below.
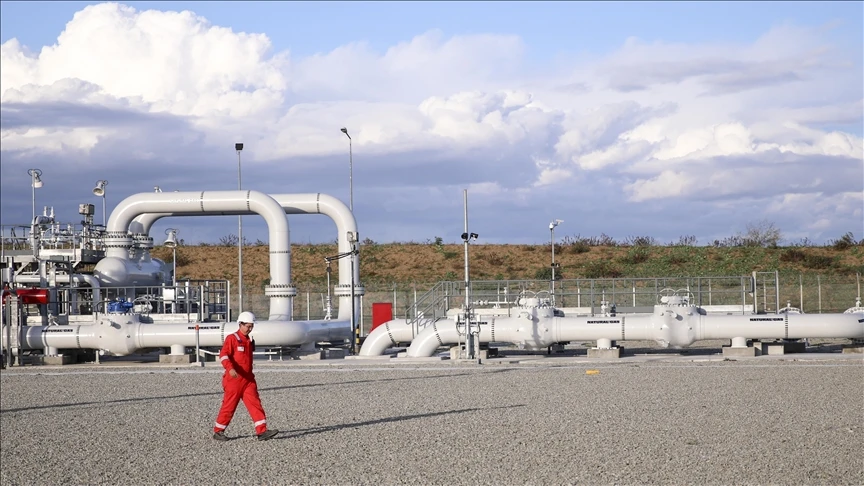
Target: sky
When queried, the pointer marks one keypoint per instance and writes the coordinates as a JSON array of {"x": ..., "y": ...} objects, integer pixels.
[{"x": 629, "y": 119}]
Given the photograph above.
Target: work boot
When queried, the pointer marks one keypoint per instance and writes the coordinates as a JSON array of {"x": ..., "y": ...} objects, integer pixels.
[
  {"x": 220, "y": 436},
  {"x": 267, "y": 434}
]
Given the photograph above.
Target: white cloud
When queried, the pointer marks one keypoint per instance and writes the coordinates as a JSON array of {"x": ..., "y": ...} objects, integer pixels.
[
  {"x": 655, "y": 121},
  {"x": 667, "y": 184},
  {"x": 427, "y": 65}
]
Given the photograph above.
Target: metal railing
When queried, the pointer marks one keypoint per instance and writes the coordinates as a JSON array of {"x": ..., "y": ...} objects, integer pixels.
[{"x": 201, "y": 300}]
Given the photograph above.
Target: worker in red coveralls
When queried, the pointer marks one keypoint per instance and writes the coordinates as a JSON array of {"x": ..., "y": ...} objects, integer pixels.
[{"x": 238, "y": 381}]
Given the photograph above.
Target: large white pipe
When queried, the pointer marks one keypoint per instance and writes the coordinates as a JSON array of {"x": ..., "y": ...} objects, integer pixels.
[
  {"x": 785, "y": 326},
  {"x": 312, "y": 203},
  {"x": 78, "y": 278},
  {"x": 124, "y": 334},
  {"x": 669, "y": 326},
  {"x": 385, "y": 336},
  {"x": 280, "y": 290}
]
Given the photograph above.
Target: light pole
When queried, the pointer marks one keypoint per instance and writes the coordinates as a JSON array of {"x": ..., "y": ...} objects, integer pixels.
[
  {"x": 171, "y": 242},
  {"x": 350, "y": 172},
  {"x": 355, "y": 331},
  {"x": 99, "y": 190},
  {"x": 472, "y": 342},
  {"x": 239, "y": 148},
  {"x": 35, "y": 182},
  {"x": 552, "y": 226}
]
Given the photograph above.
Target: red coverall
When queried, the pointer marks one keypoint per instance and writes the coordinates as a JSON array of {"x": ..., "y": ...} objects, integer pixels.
[{"x": 236, "y": 354}]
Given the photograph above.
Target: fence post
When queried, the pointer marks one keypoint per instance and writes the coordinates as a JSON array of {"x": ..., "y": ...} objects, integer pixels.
[
  {"x": 198, "y": 345},
  {"x": 800, "y": 292},
  {"x": 819, "y": 289}
]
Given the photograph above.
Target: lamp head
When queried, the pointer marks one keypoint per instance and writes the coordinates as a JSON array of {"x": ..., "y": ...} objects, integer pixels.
[
  {"x": 345, "y": 131},
  {"x": 555, "y": 223},
  {"x": 171, "y": 241},
  {"x": 238, "y": 147},
  {"x": 99, "y": 190},
  {"x": 35, "y": 173}
]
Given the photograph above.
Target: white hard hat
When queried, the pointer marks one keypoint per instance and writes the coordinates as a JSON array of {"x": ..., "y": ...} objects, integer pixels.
[{"x": 246, "y": 317}]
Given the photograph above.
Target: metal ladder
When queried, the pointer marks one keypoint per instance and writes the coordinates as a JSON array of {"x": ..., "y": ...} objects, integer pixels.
[
  {"x": 10, "y": 331},
  {"x": 766, "y": 292}
]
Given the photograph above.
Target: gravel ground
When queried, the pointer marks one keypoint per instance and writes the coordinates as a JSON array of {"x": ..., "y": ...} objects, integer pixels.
[{"x": 684, "y": 420}]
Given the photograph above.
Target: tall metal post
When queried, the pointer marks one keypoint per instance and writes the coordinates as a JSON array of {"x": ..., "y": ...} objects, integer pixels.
[
  {"x": 99, "y": 190},
  {"x": 552, "y": 226},
  {"x": 171, "y": 242},
  {"x": 35, "y": 182},
  {"x": 239, "y": 148},
  {"x": 466, "y": 236},
  {"x": 354, "y": 336},
  {"x": 350, "y": 171},
  {"x": 552, "y": 231},
  {"x": 328, "y": 303}
]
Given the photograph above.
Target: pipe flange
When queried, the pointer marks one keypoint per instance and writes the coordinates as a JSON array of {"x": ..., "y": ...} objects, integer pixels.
[
  {"x": 344, "y": 290},
  {"x": 280, "y": 290},
  {"x": 122, "y": 246},
  {"x": 143, "y": 241},
  {"x": 117, "y": 239}
]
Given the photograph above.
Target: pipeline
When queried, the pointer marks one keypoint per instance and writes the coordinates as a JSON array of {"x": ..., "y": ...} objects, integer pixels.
[
  {"x": 125, "y": 334},
  {"x": 675, "y": 326},
  {"x": 118, "y": 242},
  {"x": 387, "y": 335},
  {"x": 313, "y": 203},
  {"x": 78, "y": 278}
]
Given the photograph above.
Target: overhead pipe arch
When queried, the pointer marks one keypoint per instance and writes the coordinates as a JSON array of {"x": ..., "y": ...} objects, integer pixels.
[
  {"x": 119, "y": 240},
  {"x": 310, "y": 203}
]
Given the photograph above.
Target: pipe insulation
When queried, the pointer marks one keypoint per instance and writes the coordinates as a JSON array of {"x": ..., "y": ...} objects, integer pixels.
[
  {"x": 312, "y": 203},
  {"x": 124, "y": 334},
  {"x": 118, "y": 240}
]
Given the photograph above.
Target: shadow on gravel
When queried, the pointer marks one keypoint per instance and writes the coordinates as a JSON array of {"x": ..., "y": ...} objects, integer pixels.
[
  {"x": 317, "y": 430},
  {"x": 219, "y": 393}
]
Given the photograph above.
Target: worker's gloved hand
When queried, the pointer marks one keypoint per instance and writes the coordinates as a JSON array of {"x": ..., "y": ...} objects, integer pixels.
[{"x": 232, "y": 373}]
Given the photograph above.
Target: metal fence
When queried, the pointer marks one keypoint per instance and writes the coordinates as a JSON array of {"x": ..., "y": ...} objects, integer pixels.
[
  {"x": 818, "y": 294},
  {"x": 812, "y": 293}
]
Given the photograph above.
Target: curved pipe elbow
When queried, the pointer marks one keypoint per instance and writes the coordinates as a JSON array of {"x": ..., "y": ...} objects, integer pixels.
[
  {"x": 386, "y": 335},
  {"x": 437, "y": 334}
]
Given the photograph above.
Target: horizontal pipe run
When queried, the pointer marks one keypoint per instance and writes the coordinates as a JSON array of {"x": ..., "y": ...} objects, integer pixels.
[
  {"x": 125, "y": 336},
  {"x": 669, "y": 326}
]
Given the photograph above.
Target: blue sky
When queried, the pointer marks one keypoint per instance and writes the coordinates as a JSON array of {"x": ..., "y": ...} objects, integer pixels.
[
  {"x": 625, "y": 118},
  {"x": 598, "y": 27}
]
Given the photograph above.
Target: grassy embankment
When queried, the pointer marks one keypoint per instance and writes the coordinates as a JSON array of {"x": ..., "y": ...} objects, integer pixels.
[{"x": 407, "y": 263}]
